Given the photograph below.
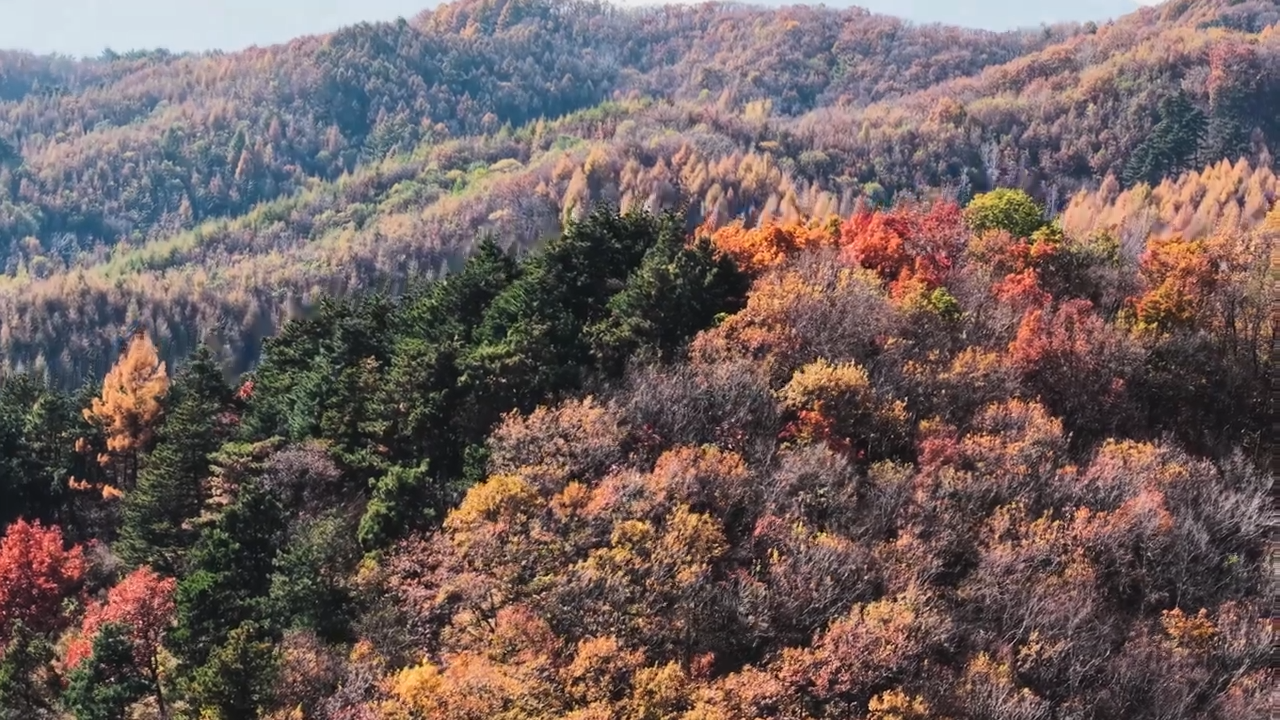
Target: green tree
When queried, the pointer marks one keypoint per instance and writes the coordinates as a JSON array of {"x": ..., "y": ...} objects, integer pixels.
[
  {"x": 1172, "y": 146},
  {"x": 8, "y": 154},
  {"x": 404, "y": 499},
  {"x": 229, "y": 575},
  {"x": 105, "y": 685},
  {"x": 158, "y": 514},
  {"x": 235, "y": 683},
  {"x": 308, "y": 588},
  {"x": 1012, "y": 211},
  {"x": 37, "y": 431},
  {"x": 677, "y": 291},
  {"x": 28, "y": 687}
]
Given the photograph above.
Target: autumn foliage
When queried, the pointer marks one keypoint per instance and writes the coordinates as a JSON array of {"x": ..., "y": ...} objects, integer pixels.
[
  {"x": 130, "y": 406},
  {"x": 143, "y": 603},
  {"x": 953, "y": 405},
  {"x": 37, "y": 573}
]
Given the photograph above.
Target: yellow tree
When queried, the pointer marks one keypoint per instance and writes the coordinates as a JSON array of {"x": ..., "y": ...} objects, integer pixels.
[{"x": 129, "y": 407}]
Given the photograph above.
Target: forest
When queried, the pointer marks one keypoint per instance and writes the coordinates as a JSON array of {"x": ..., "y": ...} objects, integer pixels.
[
  {"x": 535, "y": 360},
  {"x": 212, "y": 198}
]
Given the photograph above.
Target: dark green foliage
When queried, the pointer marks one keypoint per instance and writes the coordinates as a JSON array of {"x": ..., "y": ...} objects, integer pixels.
[
  {"x": 27, "y": 684},
  {"x": 158, "y": 513},
  {"x": 676, "y": 292},
  {"x": 308, "y": 586},
  {"x": 229, "y": 575},
  {"x": 8, "y": 154},
  {"x": 236, "y": 682},
  {"x": 316, "y": 379},
  {"x": 104, "y": 686},
  {"x": 403, "y": 499},
  {"x": 38, "y": 426},
  {"x": 1173, "y": 144},
  {"x": 405, "y": 393}
]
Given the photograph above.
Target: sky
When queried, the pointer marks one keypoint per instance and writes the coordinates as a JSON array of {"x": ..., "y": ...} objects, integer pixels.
[{"x": 87, "y": 27}]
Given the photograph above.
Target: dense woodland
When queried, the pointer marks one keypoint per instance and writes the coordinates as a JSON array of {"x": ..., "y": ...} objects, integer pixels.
[
  {"x": 210, "y": 198},
  {"x": 537, "y": 361},
  {"x": 922, "y": 462}
]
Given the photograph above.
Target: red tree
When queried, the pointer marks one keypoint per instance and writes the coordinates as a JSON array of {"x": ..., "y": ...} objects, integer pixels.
[
  {"x": 142, "y": 602},
  {"x": 37, "y": 572}
]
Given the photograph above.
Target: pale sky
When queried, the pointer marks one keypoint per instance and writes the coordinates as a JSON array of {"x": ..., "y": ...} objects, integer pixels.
[{"x": 86, "y": 27}]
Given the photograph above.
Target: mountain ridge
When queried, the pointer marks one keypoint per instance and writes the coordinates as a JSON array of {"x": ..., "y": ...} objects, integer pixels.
[{"x": 189, "y": 29}]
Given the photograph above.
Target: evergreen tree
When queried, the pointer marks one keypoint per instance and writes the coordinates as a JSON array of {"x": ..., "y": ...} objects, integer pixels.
[
  {"x": 108, "y": 682},
  {"x": 229, "y": 575},
  {"x": 677, "y": 291},
  {"x": 531, "y": 345},
  {"x": 307, "y": 586},
  {"x": 404, "y": 499},
  {"x": 15, "y": 490},
  {"x": 236, "y": 682},
  {"x": 37, "y": 438},
  {"x": 51, "y": 429},
  {"x": 27, "y": 686},
  {"x": 157, "y": 528},
  {"x": 1172, "y": 146}
]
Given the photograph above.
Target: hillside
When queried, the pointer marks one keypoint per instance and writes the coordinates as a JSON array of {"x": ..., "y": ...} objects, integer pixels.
[
  {"x": 85, "y": 27},
  {"x": 549, "y": 361},
  {"x": 1002, "y": 14},
  {"x": 921, "y": 462},
  {"x": 204, "y": 196}
]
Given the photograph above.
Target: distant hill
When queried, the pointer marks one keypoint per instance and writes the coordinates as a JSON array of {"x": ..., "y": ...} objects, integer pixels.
[
  {"x": 86, "y": 27},
  {"x": 999, "y": 14},
  {"x": 208, "y": 197}
]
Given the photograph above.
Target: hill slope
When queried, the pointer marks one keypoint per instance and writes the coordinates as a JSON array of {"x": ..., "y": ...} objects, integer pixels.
[{"x": 206, "y": 196}]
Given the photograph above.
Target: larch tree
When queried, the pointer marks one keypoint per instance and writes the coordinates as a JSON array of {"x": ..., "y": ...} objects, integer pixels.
[{"x": 129, "y": 407}]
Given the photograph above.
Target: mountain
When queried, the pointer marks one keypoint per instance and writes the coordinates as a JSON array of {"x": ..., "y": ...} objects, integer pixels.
[
  {"x": 86, "y": 28},
  {"x": 210, "y": 196},
  {"x": 1002, "y": 14},
  {"x": 544, "y": 360}
]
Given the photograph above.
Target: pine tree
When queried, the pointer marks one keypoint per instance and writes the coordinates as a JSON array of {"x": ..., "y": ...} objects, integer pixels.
[
  {"x": 1172, "y": 146},
  {"x": 235, "y": 683},
  {"x": 677, "y": 291},
  {"x": 229, "y": 575},
  {"x": 158, "y": 514},
  {"x": 27, "y": 687},
  {"x": 51, "y": 428},
  {"x": 104, "y": 686}
]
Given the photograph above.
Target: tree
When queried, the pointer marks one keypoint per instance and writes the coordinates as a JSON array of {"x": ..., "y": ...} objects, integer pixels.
[
  {"x": 309, "y": 585},
  {"x": 229, "y": 575},
  {"x": 158, "y": 514},
  {"x": 37, "y": 572},
  {"x": 1012, "y": 211},
  {"x": 129, "y": 408},
  {"x": 142, "y": 606},
  {"x": 8, "y": 154},
  {"x": 235, "y": 683},
  {"x": 108, "y": 682},
  {"x": 676, "y": 292},
  {"x": 1173, "y": 144},
  {"x": 403, "y": 499},
  {"x": 28, "y": 686},
  {"x": 37, "y": 433}
]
